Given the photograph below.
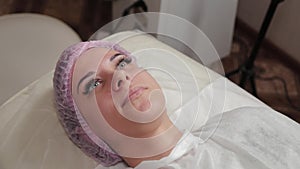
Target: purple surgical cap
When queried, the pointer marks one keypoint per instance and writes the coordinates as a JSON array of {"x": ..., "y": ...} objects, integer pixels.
[{"x": 62, "y": 84}]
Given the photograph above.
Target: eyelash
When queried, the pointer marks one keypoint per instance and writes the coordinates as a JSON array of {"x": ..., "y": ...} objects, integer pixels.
[
  {"x": 125, "y": 60},
  {"x": 91, "y": 85}
]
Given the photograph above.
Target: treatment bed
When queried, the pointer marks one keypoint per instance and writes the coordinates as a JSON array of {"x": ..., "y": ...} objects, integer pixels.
[{"x": 32, "y": 138}]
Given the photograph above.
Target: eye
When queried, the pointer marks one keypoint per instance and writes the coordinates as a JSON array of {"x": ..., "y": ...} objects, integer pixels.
[
  {"x": 123, "y": 62},
  {"x": 91, "y": 85}
]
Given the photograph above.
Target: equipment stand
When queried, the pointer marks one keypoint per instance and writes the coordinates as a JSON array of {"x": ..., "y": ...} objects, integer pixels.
[{"x": 247, "y": 69}]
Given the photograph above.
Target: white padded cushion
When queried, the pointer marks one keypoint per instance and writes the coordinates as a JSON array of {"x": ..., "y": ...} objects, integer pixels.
[
  {"x": 30, "y": 46},
  {"x": 32, "y": 138},
  {"x": 31, "y": 134}
]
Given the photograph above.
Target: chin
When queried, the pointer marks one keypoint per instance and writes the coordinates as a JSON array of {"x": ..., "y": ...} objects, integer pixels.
[{"x": 142, "y": 106}]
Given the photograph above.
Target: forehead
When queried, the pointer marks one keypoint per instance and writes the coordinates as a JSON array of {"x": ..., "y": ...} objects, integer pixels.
[
  {"x": 89, "y": 60},
  {"x": 92, "y": 57}
]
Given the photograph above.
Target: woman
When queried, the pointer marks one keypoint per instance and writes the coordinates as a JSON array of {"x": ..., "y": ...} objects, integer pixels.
[
  {"x": 127, "y": 97},
  {"x": 115, "y": 111}
]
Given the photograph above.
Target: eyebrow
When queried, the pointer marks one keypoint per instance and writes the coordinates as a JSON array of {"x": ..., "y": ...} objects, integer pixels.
[
  {"x": 114, "y": 56},
  {"x": 83, "y": 78}
]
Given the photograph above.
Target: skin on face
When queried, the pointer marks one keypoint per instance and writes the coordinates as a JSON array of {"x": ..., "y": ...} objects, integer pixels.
[
  {"x": 105, "y": 81},
  {"x": 104, "y": 72}
]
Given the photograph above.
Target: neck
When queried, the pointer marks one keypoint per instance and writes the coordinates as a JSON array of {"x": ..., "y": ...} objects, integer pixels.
[{"x": 133, "y": 162}]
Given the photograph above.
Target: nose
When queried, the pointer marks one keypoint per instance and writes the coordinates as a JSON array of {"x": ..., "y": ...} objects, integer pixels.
[{"x": 120, "y": 79}]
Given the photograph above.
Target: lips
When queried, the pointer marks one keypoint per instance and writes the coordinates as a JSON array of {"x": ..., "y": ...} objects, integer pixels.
[{"x": 136, "y": 92}]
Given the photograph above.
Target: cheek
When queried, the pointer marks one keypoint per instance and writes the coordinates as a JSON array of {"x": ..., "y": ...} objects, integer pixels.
[
  {"x": 111, "y": 115},
  {"x": 105, "y": 102},
  {"x": 103, "y": 107},
  {"x": 106, "y": 107}
]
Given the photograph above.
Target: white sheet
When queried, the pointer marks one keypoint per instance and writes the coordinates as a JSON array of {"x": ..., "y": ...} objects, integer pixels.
[
  {"x": 245, "y": 138},
  {"x": 31, "y": 136}
]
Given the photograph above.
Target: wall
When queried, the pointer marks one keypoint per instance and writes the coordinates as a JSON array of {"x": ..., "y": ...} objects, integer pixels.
[
  {"x": 214, "y": 17},
  {"x": 284, "y": 30},
  {"x": 120, "y": 5}
]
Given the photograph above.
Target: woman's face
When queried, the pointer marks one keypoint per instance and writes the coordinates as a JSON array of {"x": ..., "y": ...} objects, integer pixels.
[{"x": 118, "y": 84}]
